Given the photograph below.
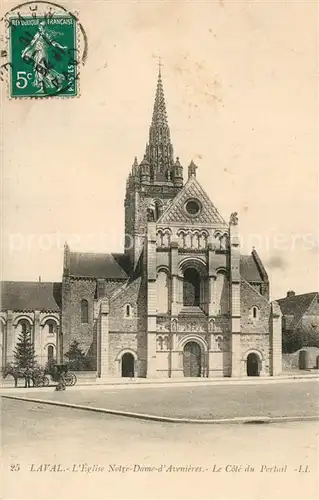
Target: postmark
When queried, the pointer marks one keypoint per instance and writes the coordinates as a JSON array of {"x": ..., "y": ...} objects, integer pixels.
[{"x": 45, "y": 47}]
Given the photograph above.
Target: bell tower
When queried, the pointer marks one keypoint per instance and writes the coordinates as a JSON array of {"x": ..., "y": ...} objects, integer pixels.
[{"x": 153, "y": 182}]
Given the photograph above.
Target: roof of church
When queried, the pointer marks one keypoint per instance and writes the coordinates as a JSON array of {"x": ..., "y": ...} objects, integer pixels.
[
  {"x": 30, "y": 296},
  {"x": 249, "y": 269},
  {"x": 99, "y": 265}
]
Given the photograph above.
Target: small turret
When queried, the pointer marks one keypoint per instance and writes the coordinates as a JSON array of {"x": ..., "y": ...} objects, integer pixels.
[
  {"x": 192, "y": 169},
  {"x": 145, "y": 171},
  {"x": 177, "y": 173}
]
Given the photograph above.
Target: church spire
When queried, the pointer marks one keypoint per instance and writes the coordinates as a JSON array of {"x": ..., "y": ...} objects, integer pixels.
[{"x": 159, "y": 151}]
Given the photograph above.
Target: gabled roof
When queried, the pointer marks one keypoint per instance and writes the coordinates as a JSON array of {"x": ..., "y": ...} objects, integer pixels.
[
  {"x": 30, "y": 296},
  {"x": 295, "y": 306},
  {"x": 249, "y": 269},
  {"x": 175, "y": 211},
  {"x": 99, "y": 265}
]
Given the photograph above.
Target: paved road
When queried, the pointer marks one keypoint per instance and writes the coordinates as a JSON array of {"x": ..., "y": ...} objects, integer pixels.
[
  {"x": 284, "y": 399},
  {"x": 37, "y": 434}
]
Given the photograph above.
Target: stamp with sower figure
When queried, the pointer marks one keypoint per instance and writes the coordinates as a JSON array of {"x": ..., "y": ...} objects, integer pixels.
[{"x": 43, "y": 51}]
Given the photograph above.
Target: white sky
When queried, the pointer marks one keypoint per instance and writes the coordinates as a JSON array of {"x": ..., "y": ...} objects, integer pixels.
[{"x": 241, "y": 95}]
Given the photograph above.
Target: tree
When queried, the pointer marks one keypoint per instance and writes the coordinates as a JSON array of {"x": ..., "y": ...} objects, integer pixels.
[
  {"x": 76, "y": 357},
  {"x": 24, "y": 356},
  {"x": 49, "y": 365}
]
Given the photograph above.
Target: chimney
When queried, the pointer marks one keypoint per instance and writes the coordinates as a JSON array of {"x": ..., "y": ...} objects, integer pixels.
[{"x": 291, "y": 293}]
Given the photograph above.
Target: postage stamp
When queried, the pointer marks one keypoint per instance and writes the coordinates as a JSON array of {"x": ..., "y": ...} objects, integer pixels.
[
  {"x": 43, "y": 45},
  {"x": 43, "y": 56}
]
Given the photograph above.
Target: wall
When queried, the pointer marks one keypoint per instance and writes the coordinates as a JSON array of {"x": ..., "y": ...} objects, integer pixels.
[
  {"x": 249, "y": 297},
  {"x": 128, "y": 333}
]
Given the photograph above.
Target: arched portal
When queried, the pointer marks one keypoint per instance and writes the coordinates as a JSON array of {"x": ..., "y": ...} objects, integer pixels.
[
  {"x": 127, "y": 365},
  {"x": 192, "y": 360},
  {"x": 191, "y": 287},
  {"x": 253, "y": 365}
]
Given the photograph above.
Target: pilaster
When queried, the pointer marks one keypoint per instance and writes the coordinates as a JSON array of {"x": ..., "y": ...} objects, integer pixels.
[
  {"x": 36, "y": 337},
  {"x": 235, "y": 295},
  {"x": 103, "y": 340},
  {"x": 151, "y": 299},
  {"x": 275, "y": 339}
]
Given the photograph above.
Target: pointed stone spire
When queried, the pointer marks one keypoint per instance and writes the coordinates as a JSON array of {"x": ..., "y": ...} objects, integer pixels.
[
  {"x": 159, "y": 118},
  {"x": 159, "y": 151}
]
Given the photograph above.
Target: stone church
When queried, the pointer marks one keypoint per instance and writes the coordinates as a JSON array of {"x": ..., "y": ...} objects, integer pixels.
[{"x": 181, "y": 301}]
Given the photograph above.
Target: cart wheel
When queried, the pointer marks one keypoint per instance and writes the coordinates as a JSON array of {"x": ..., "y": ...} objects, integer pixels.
[
  {"x": 74, "y": 379},
  {"x": 68, "y": 379},
  {"x": 46, "y": 381},
  {"x": 38, "y": 382}
]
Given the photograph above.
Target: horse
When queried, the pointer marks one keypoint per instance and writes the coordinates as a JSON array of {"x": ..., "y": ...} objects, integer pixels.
[{"x": 17, "y": 373}]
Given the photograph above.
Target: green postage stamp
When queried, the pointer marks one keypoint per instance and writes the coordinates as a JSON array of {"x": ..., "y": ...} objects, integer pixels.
[{"x": 43, "y": 55}]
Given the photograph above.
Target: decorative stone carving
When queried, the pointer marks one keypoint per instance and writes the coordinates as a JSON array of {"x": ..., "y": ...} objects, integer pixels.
[
  {"x": 174, "y": 325},
  {"x": 162, "y": 326},
  {"x": 211, "y": 325},
  {"x": 191, "y": 326},
  {"x": 233, "y": 221}
]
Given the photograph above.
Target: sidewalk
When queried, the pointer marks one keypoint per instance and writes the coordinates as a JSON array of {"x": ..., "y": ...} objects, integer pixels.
[{"x": 140, "y": 383}]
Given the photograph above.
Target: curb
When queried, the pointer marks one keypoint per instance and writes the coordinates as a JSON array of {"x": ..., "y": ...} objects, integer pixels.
[{"x": 157, "y": 418}]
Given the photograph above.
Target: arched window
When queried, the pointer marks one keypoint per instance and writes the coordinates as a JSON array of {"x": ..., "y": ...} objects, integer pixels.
[
  {"x": 255, "y": 312},
  {"x": 84, "y": 311},
  {"x": 50, "y": 352},
  {"x": 127, "y": 310},
  {"x": 25, "y": 326},
  {"x": 51, "y": 327},
  {"x": 191, "y": 287}
]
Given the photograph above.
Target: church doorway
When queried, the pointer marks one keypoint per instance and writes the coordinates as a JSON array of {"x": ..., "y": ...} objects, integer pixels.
[
  {"x": 127, "y": 365},
  {"x": 253, "y": 365},
  {"x": 192, "y": 360},
  {"x": 191, "y": 287}
]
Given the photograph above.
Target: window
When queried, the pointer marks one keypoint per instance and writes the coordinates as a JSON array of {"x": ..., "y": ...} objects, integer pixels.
[
  {"x": 191, "y": 287},
  {"x": 50, "y": 353},
  {"x": 193, "y": 207},
  {"x": 255, "y": 312},
  {"x": 84, "y": 311},
  {"x": 51, "y": 327},
  {"x": 128, "y": 311},
  {"x": 25, "y": 326}
]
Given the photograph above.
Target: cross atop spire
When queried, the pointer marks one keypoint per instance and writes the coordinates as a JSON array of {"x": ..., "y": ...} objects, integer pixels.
[{"x": 159, "y": 65}]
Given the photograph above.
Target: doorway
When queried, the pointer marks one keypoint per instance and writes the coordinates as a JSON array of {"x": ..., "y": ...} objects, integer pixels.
[
  {"x": 192, "y": 360},
  {"x": 253, "y": 365},
  {"x": 128, "y": 365}
]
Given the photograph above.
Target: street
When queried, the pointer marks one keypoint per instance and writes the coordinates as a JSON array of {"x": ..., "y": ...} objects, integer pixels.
[{"x": 54, "y": 452}]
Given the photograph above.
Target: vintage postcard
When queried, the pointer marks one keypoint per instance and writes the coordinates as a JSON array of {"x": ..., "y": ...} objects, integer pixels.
[{"x": 159, "y": 301}]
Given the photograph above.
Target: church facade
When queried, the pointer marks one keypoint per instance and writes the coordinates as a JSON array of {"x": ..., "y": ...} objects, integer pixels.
[{"x": 181, "y": 301}]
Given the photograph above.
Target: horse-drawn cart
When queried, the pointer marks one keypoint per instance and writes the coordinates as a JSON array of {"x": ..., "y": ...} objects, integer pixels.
[{"x": 62, "y": 370}]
